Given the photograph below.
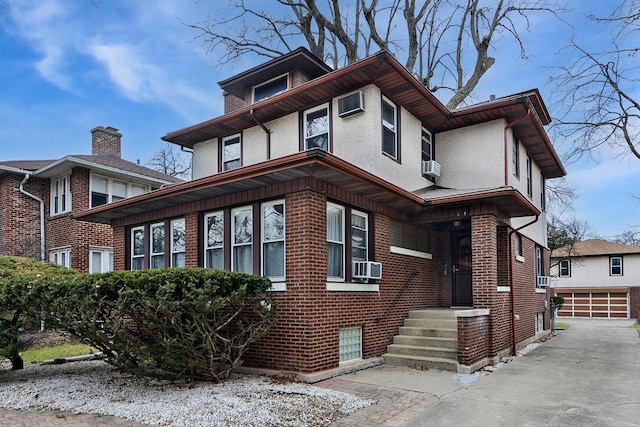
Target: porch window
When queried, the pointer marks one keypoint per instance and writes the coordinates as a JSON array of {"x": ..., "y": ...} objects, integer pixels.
[
  {"x": 231, "y": 150},
  {"x": 60, "y": 194},
  {"x": 177, "y": 243},
  {"x": 615, "y": 266},
  {"x": 389, "y": 128},
  {"x": 157, "y": 245},
  {"x": 316, "y": 128},
  {"x": 137, "y": 248},
  {"x": 350, "y": 344},
  {"x": 214, "y": 240},
  {"x": 100, "y": 260},
  {"x": 335, "y": 242},
  {"x": 565, "y": 268},
  {"x": 242, "y": 240},
  {"x": 273, "y": 240},
  {"x": 107, "y": 190}
]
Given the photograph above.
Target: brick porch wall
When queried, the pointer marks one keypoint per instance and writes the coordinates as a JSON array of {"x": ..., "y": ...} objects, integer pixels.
[{"x": 473, "y": 339}]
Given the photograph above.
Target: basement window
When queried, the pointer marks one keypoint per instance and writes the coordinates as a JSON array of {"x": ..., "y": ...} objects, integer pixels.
[{"x": 350, "y": 344}]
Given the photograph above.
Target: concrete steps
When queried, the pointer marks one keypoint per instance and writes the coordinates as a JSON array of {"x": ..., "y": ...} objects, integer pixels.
[{"x": 428, "y": 339}]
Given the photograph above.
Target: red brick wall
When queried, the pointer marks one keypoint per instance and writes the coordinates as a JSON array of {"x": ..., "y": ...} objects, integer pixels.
[
  {"x": 473, "y": 339},
  {"x": 634, "y": 302},
  {"x": 232, "y": 103}
]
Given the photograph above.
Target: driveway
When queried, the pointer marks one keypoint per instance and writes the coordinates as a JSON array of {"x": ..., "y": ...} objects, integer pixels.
[{"x": 588, "y": 375}]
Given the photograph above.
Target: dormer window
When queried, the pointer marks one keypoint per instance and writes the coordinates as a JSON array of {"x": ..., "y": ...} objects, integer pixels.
[{"x": 270, "y": 88}]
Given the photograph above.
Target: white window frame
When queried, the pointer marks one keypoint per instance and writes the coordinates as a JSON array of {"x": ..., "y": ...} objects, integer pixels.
[
  {"x": 212, "y": 245},
  {"x": 515, "y": 157},
  {"x": 326, "y": 131},
  {"x": 235, "y": 244},
  {"x": 538, "y": 260},
  {"x": 60, "y": 194},
  {"x": 106, "y": 259},
  {"x": 177, "y": 248},
  {"x": 392, "y": 127},
  {"x": 152, "y": 252},
  {"x": 365, "y": 230},
  {"x": 228, "y": 159},
  {"x": 341, "y": 243},
  {"x": 529, "y": 177},
  {"x": 426, "y": 154},
  {"x": 109, "y": 193},
  {"x": 564, "y": 265},
  {"x": 61, "y": 256},
  {"x": 133, "y": 255},
  {"x": 349, "y": 344},
  {"x": 276, "y": 237},
  {"x": 253, "y": 89},
  {"x": 612, "y": 266}
]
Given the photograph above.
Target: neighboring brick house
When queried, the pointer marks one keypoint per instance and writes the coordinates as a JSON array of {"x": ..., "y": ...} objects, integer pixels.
[
  {"x": 365, "y": 201},
  {"x": 38, "y": 199},
  {"x": 597, "y": 278}
]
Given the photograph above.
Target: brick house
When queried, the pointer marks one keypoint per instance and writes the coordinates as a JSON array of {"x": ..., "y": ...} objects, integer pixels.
[
  {"x": 38, "y": 199},
  {"x": 389, "y": 226},
  {"x": 597, "y": 278}
]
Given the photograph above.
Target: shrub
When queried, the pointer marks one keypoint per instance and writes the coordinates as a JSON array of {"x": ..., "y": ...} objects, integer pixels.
[
  {"x": 21, "y": 283},
  {"x": 183, "y": 321}
]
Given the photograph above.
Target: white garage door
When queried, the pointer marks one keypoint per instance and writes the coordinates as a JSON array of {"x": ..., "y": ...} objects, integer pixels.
[{"x": 604, "y": 303}]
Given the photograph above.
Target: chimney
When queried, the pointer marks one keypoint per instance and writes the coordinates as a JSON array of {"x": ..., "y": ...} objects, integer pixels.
[{"x": 105, "y": 141}]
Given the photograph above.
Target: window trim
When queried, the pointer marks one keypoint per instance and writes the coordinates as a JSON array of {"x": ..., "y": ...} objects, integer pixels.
[
  {"x": 253, "y": 88},
  {"x": 515, "y": 157},
  {"x": 233, "y": 244},
  {"x": 304, "y": 145},
  {"x": 173, "y": 252},
  {"x": 343, "y": 243},
  {"x": 153, "y": 254},
  {"x": 223, "y": 160},
  {"x": 206, "y": 246},
  {"x": 60, "y": 202},
  {"x": 264, "y": 242},
  {"x": 431, "y": 154},
  {"x": 64, "y": 251},
  {"x": 395, "y": 129},
  {"x": 103, "y": 251},
  {"x": 366, "y": 234},
  {"x": 611, "y": 266},
  {"x": 561, "y": 267},
  {"x": 132, "y": 243},
  {"x": 529, "y": 177},
  {"x": 109, "y": 193}
]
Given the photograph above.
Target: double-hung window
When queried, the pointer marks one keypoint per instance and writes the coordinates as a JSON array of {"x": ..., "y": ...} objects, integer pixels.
[
  {"x": 515, "y": 157},
  {"x": 529, "y": 177},
  {"x": 565, "y": 268},
  {"x": 615, "y": 266},
  {"x": 137, "y": 248},
  {"x": 316, "y": 128},
  {"x": 177, "y": 243},
  {"x": 359, "y": 236},
  {"x": 427, "y": 146},
  {"x": 242, "y": 239},
  {"x": 335, "y": 242},
  {"x": 389, "y": 128},
  {"x": 543, "y": 193},
  {"x": 231, "y": 152},
  {"x": 60, "y": 194},
  {"x": 157, "y": 245},
  {"x": 100, "y": 260},
  {"x": 214, "y": 240},
  {"x": 273, "y": 240}
]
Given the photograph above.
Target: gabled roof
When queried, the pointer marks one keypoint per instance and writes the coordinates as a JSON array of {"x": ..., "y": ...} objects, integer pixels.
[
  {"x": 595, "y": 247},
  {"x": 525, "y": 111},
  {"x": 106, "y": 163}
]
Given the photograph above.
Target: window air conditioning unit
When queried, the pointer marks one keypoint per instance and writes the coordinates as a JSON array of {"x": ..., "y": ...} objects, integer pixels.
[
  {"x": 430, "y": 168},
  {"x": 367, "y": 270},
  {"x": 351, "y": 104},
  {"x": 544, "y": 281}
]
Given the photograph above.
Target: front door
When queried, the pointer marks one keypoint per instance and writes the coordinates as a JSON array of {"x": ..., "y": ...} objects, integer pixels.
[{"x": 461, "y": 289}]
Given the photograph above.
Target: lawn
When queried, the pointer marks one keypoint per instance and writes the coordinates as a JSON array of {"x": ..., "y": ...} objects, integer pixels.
[{"x": 55, "y": 352}]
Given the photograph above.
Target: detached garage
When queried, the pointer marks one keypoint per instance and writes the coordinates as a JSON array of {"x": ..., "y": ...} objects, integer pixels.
[{"x": 602, "y": 303}]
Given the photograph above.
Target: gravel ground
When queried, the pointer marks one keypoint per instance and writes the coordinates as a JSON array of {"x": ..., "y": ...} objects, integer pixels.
[{"x": 97, "y": 388}]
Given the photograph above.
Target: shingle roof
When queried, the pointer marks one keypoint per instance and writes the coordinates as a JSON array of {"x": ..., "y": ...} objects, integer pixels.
[
  {"x": 28, "y": 165},
  {"x": 595, "y": 247}
]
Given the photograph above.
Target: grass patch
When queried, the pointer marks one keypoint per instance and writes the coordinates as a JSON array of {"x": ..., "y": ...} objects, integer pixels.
[
  {"x": 560, "y": 325},
  {"x": 56, "y": 352},
  {"x": 637, "y": 328}
]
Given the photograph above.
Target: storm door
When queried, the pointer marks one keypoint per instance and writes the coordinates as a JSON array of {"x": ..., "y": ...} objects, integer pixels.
[{"x": 461, "y": 288}]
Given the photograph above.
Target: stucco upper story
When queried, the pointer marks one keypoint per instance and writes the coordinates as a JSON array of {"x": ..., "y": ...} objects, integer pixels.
[{"x": 596, "y": 263}]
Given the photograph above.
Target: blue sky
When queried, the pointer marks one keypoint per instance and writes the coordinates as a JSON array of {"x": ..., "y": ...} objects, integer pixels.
[{"x": 69, "y": 66}]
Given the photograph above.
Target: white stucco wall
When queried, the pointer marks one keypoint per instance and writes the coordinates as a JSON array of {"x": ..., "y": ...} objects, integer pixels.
[
  {"x": 205, "y": 158},
  {"x": 593, "y": 272}
]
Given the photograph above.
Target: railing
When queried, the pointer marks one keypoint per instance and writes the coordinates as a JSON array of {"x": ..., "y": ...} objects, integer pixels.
[{"x": 398, "y": 296}]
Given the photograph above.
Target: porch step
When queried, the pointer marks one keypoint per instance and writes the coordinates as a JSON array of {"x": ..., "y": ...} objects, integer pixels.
[{"x": 428, "y": 339}]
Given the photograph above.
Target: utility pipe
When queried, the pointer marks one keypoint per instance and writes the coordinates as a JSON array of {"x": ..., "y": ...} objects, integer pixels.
[
  {"x": 513, "y": 300},
  {"x": 25, "y": 192}
]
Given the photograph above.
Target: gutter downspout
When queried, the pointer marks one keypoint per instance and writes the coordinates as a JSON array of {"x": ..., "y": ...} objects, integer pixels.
[
  {"x": 506, "y": 146},
  {"x": 25, "y": 192},
  {"x": 265, "y": 129},
  {"x": 513, "y": 300}
]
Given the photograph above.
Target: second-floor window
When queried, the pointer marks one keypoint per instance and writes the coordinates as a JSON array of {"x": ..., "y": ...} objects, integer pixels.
[
  {"x": 389, "y": 128},
  {"x": 515, "y": 156},
  {"x": 316, "y": 128},
  {"x": 565, "y": 268},
  {"x": 427, "y": 146},
  {"x": 60, "y": 194},
  {"x": 543, "y": 193},
  {"x": 529, "y": 177},
  {"x": 270, "y": 88},
  {"x": 107, "y": 190},
  {"x": 231, "y": 151},
  {"x": 615, "y": 266}
]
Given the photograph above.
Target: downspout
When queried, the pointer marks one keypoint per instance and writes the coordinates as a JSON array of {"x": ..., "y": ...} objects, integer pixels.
[
  {"x": 513, "y": 300},
  {"x": 25, "y": 192},
  {"x": 506, "y": 145},
  {"x": 265, "y": 129}
]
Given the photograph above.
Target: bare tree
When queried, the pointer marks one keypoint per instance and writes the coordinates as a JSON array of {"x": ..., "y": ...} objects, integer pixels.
[
  {"x": 447, "y": 44},
  {"x": 171, "y": 162},
  {"x": 562, "y": 237},
  {"x": 598, "y": 88},
  {"x": 629, "y": 237}
]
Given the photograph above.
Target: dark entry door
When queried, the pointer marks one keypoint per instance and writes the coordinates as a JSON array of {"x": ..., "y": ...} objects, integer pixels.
[{"x": 461, "y": 289}]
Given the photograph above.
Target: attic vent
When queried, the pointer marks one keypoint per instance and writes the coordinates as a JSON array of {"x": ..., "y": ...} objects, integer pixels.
[{"x": 351, "y": 104}]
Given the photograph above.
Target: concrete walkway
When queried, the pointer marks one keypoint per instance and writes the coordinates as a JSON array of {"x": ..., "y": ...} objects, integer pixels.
[{"x": 588, "y": 375}]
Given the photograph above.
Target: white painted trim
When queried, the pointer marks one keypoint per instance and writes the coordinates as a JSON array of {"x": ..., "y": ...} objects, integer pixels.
[
  {"x": 278, "y": 287},
  {"x": 352, "y": 287},
  {"x": 504, "y": 289},
  {"x": 541, "y": 290},
  {"x": 519, "y": 258},
  {"x": 410, "y": 252},
  {"x": 473, "y": 312}
]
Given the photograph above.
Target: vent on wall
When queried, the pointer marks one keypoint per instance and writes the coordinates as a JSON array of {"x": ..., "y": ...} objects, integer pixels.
[{"x": 351, "y": 104}]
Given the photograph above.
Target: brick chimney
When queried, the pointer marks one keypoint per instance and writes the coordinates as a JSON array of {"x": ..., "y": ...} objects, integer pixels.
[{"x": 105, "y": 141}]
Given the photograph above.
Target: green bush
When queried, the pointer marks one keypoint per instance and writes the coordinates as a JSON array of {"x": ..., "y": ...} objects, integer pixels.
[
  {"x": 21, "y": 283},
  {"x": 181, "y": 321}
]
